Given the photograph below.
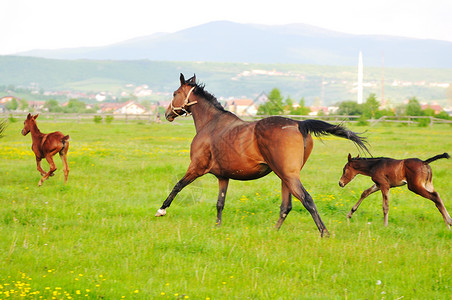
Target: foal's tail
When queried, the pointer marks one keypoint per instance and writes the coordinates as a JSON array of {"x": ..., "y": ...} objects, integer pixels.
[
  {"x": 439, "y": 156},
  {"x": 319, "y": 128},
  {"x": 64, "y": 140}
]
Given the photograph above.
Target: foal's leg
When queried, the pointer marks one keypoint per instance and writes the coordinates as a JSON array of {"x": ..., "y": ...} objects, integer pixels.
[
  {"x": 52, "y": 168},
  {"x": 385, "y": 192},
  {"x": 63, "y": 156},
  {"x": 297, "y": 189},
  {"x": 364, "y": 195},
  {"x": 223, "y": 183},
  {"x": 188, "y": 178},
  {"x": 38, "y": 166},
  {"x": 286, "y": 204},
  {"x": 434, "y": 196}
]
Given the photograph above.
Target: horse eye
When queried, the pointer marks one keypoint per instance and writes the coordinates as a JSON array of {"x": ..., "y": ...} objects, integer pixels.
[{"x": 174, "y": 94}]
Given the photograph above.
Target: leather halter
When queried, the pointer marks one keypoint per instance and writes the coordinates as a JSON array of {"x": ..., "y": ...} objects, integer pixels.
[{"x": 184, "y": 106}]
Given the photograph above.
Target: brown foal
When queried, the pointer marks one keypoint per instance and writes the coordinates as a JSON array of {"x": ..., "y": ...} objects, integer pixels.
[
  {"x": 46, "y": 146},
  {"x": 231, "y": 148},
  {"x": 388, "y": 173}
]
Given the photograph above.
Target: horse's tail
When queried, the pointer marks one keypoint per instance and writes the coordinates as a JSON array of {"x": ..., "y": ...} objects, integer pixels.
[
  {"x": 436, "y": 157},
  {"x": 319, "y": 128},
  {"x": 64, "y": 140}
]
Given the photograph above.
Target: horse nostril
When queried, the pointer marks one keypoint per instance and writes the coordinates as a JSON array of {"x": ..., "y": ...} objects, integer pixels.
[{"x": 341, "y": 184}]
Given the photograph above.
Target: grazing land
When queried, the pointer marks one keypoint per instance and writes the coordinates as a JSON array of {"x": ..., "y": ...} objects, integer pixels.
[{"x": 97, "y": 238}]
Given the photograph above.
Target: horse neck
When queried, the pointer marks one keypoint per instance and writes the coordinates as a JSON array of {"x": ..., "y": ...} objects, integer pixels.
[
  {"x": 35, "y": 132},
  {"x": 204, "y": 112},
  {"x": 363, "y": 166}
]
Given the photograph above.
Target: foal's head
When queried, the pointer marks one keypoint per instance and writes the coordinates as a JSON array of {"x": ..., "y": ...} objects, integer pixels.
[
  {"x": 180, "y": 105},
  {"x": 29, "y": 123},
  {"x": 349, "y": 171}
]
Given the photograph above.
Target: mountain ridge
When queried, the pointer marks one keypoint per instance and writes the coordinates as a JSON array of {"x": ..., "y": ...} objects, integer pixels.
[{"x": 225, "y": 41}]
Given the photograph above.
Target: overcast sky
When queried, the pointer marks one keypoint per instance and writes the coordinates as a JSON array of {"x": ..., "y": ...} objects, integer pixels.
[{"x": 52, "y": 24}]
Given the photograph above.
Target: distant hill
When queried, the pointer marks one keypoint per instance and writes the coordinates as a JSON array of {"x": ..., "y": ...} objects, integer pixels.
[
  {"x": 224, "y": 41},
  {"x": 317, "y": 84}
]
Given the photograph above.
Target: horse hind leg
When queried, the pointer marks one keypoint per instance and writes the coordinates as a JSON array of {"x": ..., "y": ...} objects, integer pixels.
[
  {"x": 286, "y": 205},
  {"x": 427, "y": 191},
  {"x": 63, "y": 156},
  {"x": 297, "y": 189}
]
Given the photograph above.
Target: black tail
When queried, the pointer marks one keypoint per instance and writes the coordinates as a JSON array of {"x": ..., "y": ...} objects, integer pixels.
[
  {"x": 439, "y": 156},
  {"x": 319, "y": 128}
]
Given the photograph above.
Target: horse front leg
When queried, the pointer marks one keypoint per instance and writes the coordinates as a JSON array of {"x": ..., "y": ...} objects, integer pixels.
[
  {"x": 38, "y": 166},
  {"x": 223, "y": 187},
  {"x": 52, "y": 168},
  {"x": 364, "y": 195},
  {"x": 286, "y": 205},
  {"x": 188, "y": 178},
  {"x": 385, "y": 192}
]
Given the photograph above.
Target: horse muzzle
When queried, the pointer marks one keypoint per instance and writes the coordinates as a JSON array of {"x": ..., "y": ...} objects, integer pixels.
[{"x": 24, "y": 133}]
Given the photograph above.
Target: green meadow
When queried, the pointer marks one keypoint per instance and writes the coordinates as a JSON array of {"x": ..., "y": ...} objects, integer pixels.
[{"x": 96, "y": 237}]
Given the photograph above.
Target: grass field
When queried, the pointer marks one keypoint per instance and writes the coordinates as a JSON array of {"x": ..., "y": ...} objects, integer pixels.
[{"x": 97, "y": 238}]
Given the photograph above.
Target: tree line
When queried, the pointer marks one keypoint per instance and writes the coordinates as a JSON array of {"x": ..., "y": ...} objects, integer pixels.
[{"x": 277, "y": 105}]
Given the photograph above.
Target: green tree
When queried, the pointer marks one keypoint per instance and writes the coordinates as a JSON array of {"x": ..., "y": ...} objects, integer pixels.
[
  {"x": 274, "y": 105},
  {"x": 370, "y": 107},
  {"x": 75, "y": 106},
  {"x": 301, "y": 109},
  {"x": 12, "y": 105},
  {"x": 52, "y": 105},
  {"x": 413, "y": 108},
  {"x": 23, "y": 104},
  {"x": 350, "y": 108}
]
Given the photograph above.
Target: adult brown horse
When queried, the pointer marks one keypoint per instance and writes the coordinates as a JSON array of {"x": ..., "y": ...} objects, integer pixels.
[
  {"x": 387, "y": 173},
  {"x": 231, "y": 148},
  {"x": 46, "y": 146}
]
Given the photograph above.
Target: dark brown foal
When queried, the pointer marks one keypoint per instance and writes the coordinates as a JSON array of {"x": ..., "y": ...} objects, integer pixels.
[
  {"x": 388, "y": 173},
  {"x": 46, "y": 146}
]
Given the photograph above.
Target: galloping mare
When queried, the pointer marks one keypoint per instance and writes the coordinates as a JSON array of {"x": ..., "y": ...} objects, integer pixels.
[
  {"x": 387, "y": 173},
  {"x": 46, "y": 145},
  {"x": 231, "y": 148}
]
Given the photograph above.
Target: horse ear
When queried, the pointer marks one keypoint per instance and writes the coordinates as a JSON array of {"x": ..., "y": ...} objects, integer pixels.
[
  {"x": 192, "y": 80},
  {"x": 29, "y": 116},
  {"x": 349, "y": 157},
  {"x": 36, "y": 116},
  {"x": 357, "y": 156},
  {"x": 182, "y": 79}
]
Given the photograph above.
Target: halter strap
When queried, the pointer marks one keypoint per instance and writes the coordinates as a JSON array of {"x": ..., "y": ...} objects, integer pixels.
[{"x": 184, "y": 106}]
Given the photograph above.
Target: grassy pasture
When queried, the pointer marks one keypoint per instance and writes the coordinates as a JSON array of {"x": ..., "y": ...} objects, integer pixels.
[{"x": 97, "y": 237}]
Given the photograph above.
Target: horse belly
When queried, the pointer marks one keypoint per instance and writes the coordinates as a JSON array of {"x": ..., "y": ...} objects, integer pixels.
[{"x": 242, "y": 172}]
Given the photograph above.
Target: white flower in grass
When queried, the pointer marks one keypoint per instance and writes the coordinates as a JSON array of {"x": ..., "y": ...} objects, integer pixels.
[{"x": 378, "y": 282}]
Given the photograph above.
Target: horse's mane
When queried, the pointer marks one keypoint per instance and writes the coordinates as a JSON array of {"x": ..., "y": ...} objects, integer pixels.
[
  {"x": 200, "y": 91},
  {"x": 369, "y": 158}
]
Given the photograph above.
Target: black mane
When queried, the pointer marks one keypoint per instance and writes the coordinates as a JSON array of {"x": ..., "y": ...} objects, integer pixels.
[{"x": 200, "y": 91}]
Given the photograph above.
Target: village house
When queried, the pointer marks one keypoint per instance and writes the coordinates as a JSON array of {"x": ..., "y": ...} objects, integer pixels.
[
  {"x": 242, "y": 107},
  {"x": 129, "y": 107}
]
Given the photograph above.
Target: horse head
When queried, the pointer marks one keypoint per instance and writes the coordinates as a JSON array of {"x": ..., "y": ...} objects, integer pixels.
[
  {"x": 180, "y": 104},
  {"x": 349, "y": 172},
  {"x": 29, "y": 123}
]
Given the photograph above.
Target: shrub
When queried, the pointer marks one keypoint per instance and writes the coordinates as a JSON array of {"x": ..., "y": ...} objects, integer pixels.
[
  {"x": 97, "y": 119},
  {"x": 109, "y": 119}
]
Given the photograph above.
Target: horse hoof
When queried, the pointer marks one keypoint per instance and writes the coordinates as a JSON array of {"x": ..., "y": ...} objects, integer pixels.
[{"x": 160, "y": 213}]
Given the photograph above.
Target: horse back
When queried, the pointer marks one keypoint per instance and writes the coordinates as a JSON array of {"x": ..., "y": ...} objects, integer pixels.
[{"x": 54, "y": 141}]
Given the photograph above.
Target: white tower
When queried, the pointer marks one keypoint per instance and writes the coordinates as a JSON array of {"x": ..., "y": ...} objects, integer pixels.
[{"x": 360, "y": 78}]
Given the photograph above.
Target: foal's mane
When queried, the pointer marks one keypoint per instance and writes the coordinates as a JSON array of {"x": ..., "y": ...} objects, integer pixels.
[
  {"x": 200, "y": 91},
  {"x": 369, "y": 158}
]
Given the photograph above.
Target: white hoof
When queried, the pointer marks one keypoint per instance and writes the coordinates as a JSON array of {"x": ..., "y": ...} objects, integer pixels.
[{"x": 160, "y": 212}]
